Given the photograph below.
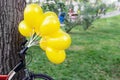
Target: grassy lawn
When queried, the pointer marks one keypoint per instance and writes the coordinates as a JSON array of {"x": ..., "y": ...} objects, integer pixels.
[{"x": 94, "y": 54}]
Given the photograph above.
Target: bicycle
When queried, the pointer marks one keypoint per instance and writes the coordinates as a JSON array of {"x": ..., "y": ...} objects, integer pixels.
[{"x": 21, "y": 65}]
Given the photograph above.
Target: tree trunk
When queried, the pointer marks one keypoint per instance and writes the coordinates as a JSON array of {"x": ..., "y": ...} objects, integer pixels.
[{"x": 11, "y": 13}]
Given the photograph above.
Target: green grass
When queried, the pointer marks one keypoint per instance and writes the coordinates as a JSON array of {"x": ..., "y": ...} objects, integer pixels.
[
  {"x": 111, "y": 9},
  {"x": 93, "y": 55}
]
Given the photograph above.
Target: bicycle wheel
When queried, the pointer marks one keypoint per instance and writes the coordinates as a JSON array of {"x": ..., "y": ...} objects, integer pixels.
[
  {"x": 38, "y": 77},
  {"x": 41, "y": 77}
]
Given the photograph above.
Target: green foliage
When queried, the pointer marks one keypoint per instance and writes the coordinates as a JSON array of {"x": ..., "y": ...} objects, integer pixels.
[
  {"x": 85, "y": 18},
  {"x": 62, "y": 7},
  {"x": 54, "y": 7},
  {"x": 89, "y": 15},
  {"x": 84, "y": 0},
  {"x": 50, "y": 7}
]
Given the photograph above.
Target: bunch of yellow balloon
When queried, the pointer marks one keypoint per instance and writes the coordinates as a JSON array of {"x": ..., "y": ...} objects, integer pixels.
[
  {"x": 32, "y": 20},
  {"x": 46, "y": 25}
]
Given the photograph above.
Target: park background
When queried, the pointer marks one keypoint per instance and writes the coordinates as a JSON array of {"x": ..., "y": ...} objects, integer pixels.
[
  {"x": 93, "y": 54},
  {"x": 94, "y": 30}
]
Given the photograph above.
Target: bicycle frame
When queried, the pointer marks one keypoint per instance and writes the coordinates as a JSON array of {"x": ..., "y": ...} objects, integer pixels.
[
  {"x": 20, "y": 65},
  {"x": 3, "y": 77}
]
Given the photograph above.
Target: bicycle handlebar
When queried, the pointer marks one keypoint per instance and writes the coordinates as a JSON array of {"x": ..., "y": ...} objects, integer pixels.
[
  {"x": 23, "y": 51},
  {"x": 19, "y": 66}
]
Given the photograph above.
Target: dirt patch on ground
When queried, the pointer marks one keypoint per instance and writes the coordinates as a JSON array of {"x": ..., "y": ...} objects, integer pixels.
[{"x": 75, "y": 48}]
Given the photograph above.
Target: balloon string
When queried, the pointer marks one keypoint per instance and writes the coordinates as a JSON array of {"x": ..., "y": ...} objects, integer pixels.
[
  {"x": 34, "y": 42},
  {"x": 28, "y": 45},
  {"x": 31, "y": 42},
  {"x": 32, "y": 35}
]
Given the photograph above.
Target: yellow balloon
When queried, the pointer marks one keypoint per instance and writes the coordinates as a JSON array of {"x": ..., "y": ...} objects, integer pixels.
[
  {"x": 56, "y": 56},
  {"x": 59, "y": 40},
  {"x": 33, "y": 15},
  {"x": 37, "y": 31},
  {"x": 43, "y": 43},
  {"x": 50, "y": 13},
  {"x": 24, "y": 29},
  {"x": 49, "y": 25},
  {"x": 60, "y": 32}
]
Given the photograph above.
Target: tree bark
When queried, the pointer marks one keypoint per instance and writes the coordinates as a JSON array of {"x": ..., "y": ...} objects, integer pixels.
[{"x": 11, "y": 13}]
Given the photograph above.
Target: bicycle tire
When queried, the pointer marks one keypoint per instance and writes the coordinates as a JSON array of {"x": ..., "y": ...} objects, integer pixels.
[
  {"x": 38, "y": 76},
  {"x": 41, "y": 76}
]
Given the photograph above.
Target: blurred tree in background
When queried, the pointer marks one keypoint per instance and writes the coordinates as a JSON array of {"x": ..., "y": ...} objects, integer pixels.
[{"x": 86, "y": 15}]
